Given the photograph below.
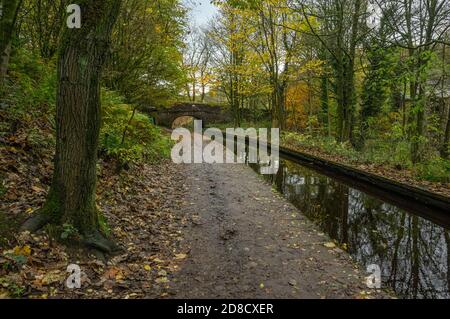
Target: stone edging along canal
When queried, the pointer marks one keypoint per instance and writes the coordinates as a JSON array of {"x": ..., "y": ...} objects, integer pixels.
[
  {"x": 429, "y": 205},
  {"x": 432, "y": 206}
]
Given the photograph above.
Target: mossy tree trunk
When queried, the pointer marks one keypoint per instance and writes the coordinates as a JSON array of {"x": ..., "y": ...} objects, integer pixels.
[
  {"x": 8, "y": 15},
  {"x": 71, "y": 199},
  {"x": 445, "y": 147}
]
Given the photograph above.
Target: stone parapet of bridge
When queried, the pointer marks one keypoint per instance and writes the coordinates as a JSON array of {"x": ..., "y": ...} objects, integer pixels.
[{"x": 206, "y": 113}]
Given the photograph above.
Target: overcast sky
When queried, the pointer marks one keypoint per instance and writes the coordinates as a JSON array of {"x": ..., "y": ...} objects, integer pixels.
[{"x": 202, "y": 11}]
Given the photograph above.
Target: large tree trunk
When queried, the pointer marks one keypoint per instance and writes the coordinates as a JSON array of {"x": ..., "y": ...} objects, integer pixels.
[
  {"x": 350, "y": 73},
  {"x": 82, "y": 54},
  {"x": 345, "y": 70},
  {"x": 339, "y": 68},
  {"x": 8, "y": 15},
  {"x": 324, "y": 104},
  {"x": 446, "y": 140},
  {"x": 418, "y": 144}
]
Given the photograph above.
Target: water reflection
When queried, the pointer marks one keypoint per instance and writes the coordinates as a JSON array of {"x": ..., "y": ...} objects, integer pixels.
[{"x": 413, "y": 253}]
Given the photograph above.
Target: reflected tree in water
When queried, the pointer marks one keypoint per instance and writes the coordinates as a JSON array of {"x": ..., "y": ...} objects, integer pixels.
[{"x": 412, "y": 252}]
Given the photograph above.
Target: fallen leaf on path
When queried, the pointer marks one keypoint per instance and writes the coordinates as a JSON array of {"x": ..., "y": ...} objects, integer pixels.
[
  {"x": 111, "y": 273},
  {"x": 37, "y": 189},
  {"x": 161, "y": 280},
  {"x": 52, "y": 277},
  {"x": 157, "y": 260},
  {"x": 330, "y": 245},
  {"x": 293, "y": 282},
  {"x": 162, "y": 273},
  {"x": 180, "y": 256}
]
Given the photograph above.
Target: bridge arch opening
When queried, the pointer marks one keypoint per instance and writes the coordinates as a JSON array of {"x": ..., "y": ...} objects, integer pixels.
[
  {"x": 208, "y": 114},
  {"x": 185, "y": 121}
]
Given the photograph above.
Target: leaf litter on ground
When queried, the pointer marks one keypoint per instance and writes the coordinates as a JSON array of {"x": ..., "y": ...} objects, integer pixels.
[{"x": 142, "y": 209}]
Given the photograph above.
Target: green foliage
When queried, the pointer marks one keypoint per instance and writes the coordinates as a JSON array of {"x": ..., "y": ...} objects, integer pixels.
[
  {"x": 30, "y": 97},
  {"x": 244, "y": 124},
  {"x": 396, "y": 153},
  {"x": 145, "y": 66},
  {"x": 68, "y": 231},
  {"x": 379, "y": 81},
  {"x": 327, "y": 144},
  {"x": 7, "y": 228},
  {"x": 375, "y": 151},
  {"x": 104, "y": 227},
  {"x": 28, "y": 100},
  {"x": 143, "y": 141},
  {"x": 15, "y": 290},
  {"x": 391, "y": 151},
  {"x": 36, "y": 138},
  {"x": 2, "y": 187},
  {"x": 241, "y": 4},
  {"x": 435, "y": 170},
  {"x": 385, "y": 142},
  {"x": 32, "y": 85}
]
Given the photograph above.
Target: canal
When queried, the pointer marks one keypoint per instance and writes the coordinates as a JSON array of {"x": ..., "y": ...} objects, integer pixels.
[{"x": 411, "y": 251}]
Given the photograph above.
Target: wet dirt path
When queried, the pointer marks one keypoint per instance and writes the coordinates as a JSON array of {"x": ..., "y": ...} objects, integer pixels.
[{"x": 246, "y": 241}]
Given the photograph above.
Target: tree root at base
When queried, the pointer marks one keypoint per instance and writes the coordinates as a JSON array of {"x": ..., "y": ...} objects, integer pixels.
[
  {"x": 98, "y": 241},
  {"x": 94, "y": 239},
  {"x": 35, "y": 223}
]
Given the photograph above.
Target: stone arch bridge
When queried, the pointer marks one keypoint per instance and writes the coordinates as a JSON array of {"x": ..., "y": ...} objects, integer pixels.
[{"x": 206, "y": 113}]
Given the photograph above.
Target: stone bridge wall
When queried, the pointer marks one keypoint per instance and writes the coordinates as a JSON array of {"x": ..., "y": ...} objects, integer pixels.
[{"x": 206, "y": 113}]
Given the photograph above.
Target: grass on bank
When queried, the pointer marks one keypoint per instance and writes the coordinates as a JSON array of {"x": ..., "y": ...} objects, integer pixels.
[
  {"x": 390, "y": 151},
  {"x": 378, "y": 152}
]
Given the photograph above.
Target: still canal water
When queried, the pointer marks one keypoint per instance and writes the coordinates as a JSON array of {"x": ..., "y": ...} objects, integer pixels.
[{"x": 412, "y": 252}]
